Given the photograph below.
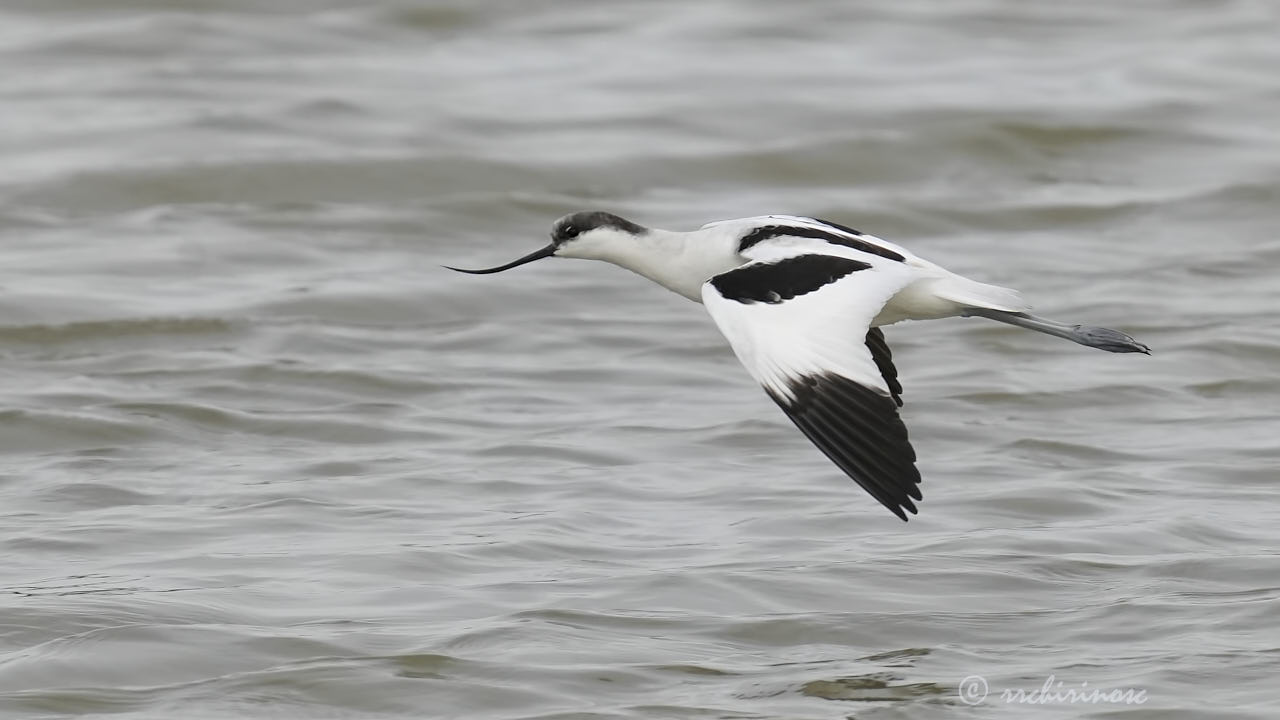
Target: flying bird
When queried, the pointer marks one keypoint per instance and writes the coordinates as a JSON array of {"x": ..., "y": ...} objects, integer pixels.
[{"x": 802, "y": 301}]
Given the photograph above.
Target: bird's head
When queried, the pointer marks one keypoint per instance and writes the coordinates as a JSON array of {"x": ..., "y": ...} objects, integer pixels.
[{"x": 589, "y": 235}]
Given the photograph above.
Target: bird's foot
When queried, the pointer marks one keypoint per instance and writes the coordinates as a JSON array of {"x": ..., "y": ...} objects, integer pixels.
[{"x": 1108, "y": 339}]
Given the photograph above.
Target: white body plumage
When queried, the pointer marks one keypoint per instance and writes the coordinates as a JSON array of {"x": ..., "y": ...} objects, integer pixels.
[{"x": 683, "y": 261}]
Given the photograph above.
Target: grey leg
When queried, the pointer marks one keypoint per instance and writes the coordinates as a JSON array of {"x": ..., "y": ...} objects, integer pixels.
[{"x": 1090, "y": 335}]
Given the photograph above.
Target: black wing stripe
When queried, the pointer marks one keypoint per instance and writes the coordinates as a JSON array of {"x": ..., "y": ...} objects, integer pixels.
[
  {"x": 776, "y": 282},
  {"x": 883, "y": 358},
  {"x": 838, "y": 226},
  {"x": 860, "y": 431},
  {"x": 765, "y": 232}
]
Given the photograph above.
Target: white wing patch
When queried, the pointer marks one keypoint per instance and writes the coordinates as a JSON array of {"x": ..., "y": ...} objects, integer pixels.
[{"x": 822, "y": 331}]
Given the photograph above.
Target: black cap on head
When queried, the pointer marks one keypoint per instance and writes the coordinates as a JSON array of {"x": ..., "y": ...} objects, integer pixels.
[{"x": 573, "y": 225}]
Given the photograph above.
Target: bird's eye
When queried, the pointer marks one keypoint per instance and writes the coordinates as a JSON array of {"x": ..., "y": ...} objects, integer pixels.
[{"x": 569, "y": 231}]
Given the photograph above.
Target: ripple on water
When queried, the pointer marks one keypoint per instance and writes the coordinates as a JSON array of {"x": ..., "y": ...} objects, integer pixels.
[
  {"x": 115, "y": 329},
  {"x": 27, "y": 431}
]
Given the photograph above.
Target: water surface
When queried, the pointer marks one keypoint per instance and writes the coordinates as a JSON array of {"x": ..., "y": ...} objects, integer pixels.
[{"x": 263, "y": 457}]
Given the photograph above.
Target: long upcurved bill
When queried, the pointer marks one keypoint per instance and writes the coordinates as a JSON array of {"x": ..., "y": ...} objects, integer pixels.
[{"x": 547, "y": 251}]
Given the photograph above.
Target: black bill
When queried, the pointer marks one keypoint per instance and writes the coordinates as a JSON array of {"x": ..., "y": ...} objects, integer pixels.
[{"x": 547, "y": 251}]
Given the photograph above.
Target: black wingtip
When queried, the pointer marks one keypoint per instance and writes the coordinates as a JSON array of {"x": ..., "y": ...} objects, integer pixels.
[
  {"x": 908, "y": 506},
  {"x": 913, "y": 491},
  {"x": 859, "y": 429}
]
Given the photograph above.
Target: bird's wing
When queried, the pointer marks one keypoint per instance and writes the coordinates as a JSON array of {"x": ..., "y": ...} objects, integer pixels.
[
  {"x": 789, "y": 228},
  {"x": 800, "y": 322},
  {"x": 883, "y": 358}
]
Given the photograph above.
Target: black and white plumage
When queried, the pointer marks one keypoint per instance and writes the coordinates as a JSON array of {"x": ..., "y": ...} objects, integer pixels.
[{"x": 801, "y": 302}]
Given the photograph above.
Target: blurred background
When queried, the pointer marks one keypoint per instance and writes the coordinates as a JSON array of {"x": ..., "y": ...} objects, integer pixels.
[{"x": 260, "y": 456}]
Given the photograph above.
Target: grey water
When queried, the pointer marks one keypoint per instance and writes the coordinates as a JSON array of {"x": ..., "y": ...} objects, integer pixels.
[{"x": 262, "y": 457}]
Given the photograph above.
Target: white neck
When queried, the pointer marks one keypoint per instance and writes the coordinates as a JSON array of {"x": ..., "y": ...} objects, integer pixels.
[{"x": 680, "y": 262}]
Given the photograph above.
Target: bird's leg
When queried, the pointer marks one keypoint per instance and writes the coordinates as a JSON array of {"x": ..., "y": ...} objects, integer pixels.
[{"x": 1090, "y": 335}]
